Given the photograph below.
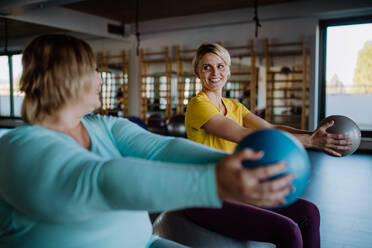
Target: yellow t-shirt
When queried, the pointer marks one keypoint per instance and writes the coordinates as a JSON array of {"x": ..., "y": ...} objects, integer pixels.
[{"x": 200, "y": 109}]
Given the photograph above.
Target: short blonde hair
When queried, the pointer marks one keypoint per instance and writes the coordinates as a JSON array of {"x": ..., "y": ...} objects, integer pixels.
[
  {"x": 56, "y": 69},
  {"x": 214, "y": 48}
]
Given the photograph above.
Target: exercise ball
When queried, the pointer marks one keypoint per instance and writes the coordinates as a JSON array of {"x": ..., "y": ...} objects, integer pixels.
[
  {"x": 156, "y": 124},
  {"x": 176, "y": 126},
  {"x": 285, "y": 69},
  {"x": 138, "y": 121},
  {"x": 156, "y": 121},
  {"x": 280, "y": 146},
  {"x": 346, "y": 126}
]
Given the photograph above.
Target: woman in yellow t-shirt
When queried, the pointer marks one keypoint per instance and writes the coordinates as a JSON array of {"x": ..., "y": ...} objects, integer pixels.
[
  {"x": 201, "y": 109},
  {"x": 222, "y": 122}
]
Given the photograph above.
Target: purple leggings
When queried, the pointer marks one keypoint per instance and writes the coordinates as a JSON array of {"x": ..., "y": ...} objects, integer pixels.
[{"x": 294, "y": 226}]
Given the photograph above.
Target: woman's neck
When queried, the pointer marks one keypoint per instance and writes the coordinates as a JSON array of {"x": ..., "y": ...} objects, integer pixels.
[
  {"x": 216, "y": 99},
  {"x": 61, "y": 120},
  {"x": 67, "y": 121}
]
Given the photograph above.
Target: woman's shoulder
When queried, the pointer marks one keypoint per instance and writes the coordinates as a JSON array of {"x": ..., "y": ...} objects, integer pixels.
[
  {"x": 235, "y": 106},
  {"x": 233, "y": 102},
  {"x": 24, "y": 131},
  {"x": 103, "y": 122},
  {"x": 200, "y": 104},
  {"x": 230, "y": 100},
  {"x": 200, "y": 97},
  {"x": 99, "y": 119},
  {"x": 28, "y": 135}
]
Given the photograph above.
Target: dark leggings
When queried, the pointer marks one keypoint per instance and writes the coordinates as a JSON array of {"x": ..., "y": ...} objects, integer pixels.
[{"x": 294, "y": 226}]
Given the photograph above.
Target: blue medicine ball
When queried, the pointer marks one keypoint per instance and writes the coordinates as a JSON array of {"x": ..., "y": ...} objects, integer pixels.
[{"x": 280, "y": 146}]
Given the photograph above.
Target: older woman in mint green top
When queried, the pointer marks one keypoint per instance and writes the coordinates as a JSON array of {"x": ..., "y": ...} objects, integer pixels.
[
  {"x": 58, "y": 194},
  {"x": 71, "y": 180}
]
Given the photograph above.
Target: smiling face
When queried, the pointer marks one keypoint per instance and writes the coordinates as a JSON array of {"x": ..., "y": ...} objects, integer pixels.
[{"x": 213, "y": 72}]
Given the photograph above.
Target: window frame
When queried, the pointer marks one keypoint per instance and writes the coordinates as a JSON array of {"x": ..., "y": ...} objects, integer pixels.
[
  {"x": 4, "y": 120},
  {"x": 323, "y": 25}
]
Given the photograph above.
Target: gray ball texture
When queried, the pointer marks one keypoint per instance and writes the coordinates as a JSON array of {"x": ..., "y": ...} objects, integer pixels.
[{"x": 346, "y": 126}]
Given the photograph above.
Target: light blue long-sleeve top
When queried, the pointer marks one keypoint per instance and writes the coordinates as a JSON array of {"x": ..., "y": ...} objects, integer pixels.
[{"x": 54, "y": 193}]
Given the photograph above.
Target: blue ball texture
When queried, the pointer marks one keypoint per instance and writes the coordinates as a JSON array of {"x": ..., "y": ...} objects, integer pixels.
[{"x": 280, "y": 146}]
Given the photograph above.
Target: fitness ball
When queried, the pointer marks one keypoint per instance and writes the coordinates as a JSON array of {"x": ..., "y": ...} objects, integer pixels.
[
  {"x": 280, "y": 146},
  {"x": 346, "y": 126},
  {"x": 176, "y": 126}
]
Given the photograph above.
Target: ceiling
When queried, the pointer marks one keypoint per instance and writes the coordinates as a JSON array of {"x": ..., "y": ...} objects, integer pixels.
[
  {"x": 18, "y": 29},
  {"x": 125, "y": 11}
]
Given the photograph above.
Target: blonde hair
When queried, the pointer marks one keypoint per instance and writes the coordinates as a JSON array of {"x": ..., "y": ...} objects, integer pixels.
[
  {"x": 214, "y": 48},
  {"x": 56, "y": 69}
]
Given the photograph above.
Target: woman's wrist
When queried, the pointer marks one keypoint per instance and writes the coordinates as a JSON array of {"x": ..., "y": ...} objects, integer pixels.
[{"x": 306, "y": 140}]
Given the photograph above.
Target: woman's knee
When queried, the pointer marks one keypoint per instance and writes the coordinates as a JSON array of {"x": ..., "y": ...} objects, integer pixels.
[
  {"x": 290, "y": 235},
  {"x": 292, "y": 228},
  {"x": 311, "y": 214}
]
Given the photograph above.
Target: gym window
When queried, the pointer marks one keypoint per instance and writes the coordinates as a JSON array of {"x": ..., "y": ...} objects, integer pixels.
[
  {"x": 345, "y": 70},
  {"x": 10, "y": 97}
]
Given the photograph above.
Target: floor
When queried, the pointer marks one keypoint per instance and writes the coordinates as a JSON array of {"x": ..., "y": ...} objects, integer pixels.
[{"x": 342, "y": 189}]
